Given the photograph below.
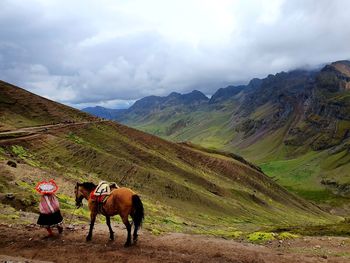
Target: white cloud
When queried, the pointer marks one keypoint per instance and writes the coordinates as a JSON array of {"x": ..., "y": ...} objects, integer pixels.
[{"x": 111, "y": 52}]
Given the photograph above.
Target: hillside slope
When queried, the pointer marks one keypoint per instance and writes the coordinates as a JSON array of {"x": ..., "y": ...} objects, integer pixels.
[
  {"x": 294, "y": 124},
  {"x": 183, "y": 187},
  {"x": 19, "y": 108}
]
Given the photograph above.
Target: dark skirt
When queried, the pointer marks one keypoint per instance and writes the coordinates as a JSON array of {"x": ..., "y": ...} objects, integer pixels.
[{"x": 49, "y": 220}]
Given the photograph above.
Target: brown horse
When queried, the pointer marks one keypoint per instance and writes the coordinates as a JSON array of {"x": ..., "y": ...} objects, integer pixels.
[{"x": 122, "y": 201}]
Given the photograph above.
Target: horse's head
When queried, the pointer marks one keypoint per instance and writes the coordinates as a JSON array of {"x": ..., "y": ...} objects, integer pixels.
[
  {"x": 83, "y": 190},
  {"x": 79, "y": 195}
]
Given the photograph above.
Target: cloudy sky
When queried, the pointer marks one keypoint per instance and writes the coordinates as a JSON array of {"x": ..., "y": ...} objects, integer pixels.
[{"x": 112, "y": 52}]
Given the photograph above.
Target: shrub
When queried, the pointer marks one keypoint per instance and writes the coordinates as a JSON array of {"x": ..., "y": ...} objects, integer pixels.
[{"x": 260, "y": 237}]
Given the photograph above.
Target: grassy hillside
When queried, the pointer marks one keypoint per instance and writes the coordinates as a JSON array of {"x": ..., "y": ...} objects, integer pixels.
[
  {"x": 206, "y": 127},
  {"x": 184, "y": 188},
  {"x": 296, "y": 125},
  {"x": 19, "y": 108}
]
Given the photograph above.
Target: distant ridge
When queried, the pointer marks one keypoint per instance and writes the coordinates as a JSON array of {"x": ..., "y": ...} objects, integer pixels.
[
  {"x": 104, "y": 112},
  {"x": 151, "y": 104}
]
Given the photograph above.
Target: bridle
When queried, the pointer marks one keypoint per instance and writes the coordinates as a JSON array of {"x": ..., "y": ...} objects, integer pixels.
[{"x": 78, "y": 199}]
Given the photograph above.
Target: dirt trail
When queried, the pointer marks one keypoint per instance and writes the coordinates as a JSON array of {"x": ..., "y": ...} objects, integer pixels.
[
  {"x": 26, "y": 244},
  {"x": 36, "y": 131}
]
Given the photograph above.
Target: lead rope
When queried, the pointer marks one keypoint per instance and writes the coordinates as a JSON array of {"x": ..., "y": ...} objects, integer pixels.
[{"x": 71, "y": 218}]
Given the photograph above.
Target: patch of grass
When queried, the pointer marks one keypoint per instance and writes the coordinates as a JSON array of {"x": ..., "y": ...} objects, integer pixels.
[
  {"x": 83, "y": 212},
  {"x": 338, "y": 229},
  {"x": 8, "y": 214},
  {"x": 261, "y": 237},
  {"x": 2, "y": 150},
  {"x": 23, "y": 154},
  {"x": 20, "y": 151},
  {"x": 66, "y": 202},
  {"x": 301, "y": 175},
  {"x": 156, "y": 231},
  {"x": 287, "y": 235},
  {"x": 297, "y": 173},
  {"x": 170, "y": 220},
  {"x": 319, "y": 196},
  {"x": 117, "y": 219},
  {"x": 342, "y": 254},
  {"x": 26, "y": 186},
  {"x": 2, "y": 154},
  {"x": 228, "y": 232},
  {"x": 73, "y": 137}
]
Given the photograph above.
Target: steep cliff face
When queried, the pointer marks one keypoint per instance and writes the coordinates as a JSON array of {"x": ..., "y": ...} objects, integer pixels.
[
  {"x": 326, "y": 111},
  {"x": 313, "y": 107},
  {"x": 273, "y": 103}
]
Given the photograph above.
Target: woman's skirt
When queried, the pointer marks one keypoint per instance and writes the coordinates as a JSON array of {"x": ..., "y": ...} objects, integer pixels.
[{"x": 50, "y": 220}]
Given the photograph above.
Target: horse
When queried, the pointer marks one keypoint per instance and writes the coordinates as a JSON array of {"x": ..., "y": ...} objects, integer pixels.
[{"x": 121, "y": 201}]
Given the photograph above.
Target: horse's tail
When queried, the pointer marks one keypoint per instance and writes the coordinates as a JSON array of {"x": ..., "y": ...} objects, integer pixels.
[{"x": 138, "y": 211}]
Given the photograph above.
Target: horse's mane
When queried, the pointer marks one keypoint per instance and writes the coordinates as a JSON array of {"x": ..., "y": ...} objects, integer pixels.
[{"x": 88, "y": 186}]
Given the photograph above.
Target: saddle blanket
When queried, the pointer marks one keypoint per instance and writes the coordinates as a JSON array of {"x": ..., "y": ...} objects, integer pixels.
[{"x": 102, "y": 189}]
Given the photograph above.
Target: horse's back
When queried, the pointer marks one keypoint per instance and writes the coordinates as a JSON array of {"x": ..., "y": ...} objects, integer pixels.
[
  {"x": 123, "y": 192},
  {"x": 123, "y": 197}
]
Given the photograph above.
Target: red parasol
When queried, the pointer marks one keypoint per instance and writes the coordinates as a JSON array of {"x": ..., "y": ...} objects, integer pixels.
[{"x": 44, "y": 187}]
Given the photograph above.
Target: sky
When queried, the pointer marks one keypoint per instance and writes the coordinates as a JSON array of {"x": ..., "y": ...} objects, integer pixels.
[{"x": 113, "y": 52}]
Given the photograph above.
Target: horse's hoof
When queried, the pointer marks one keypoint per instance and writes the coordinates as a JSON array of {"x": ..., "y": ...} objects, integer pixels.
[
  {"x": 88, "y": 239},
  {"x": 48, "y": 237},
  {"x": 127, "y": 244},
  {"x": 111, "y": 238}
]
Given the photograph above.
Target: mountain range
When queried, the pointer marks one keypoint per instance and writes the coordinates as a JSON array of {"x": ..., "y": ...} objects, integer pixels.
[{"x": 295, "y": 125}]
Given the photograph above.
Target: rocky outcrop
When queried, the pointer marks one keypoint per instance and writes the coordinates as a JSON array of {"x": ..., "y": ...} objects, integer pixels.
[
  {"x": 337, "y": 188},
  {"x": 315, "y": 105},
  {"x": 224, "y": 94},
  {"x": 11, "y": 163}
]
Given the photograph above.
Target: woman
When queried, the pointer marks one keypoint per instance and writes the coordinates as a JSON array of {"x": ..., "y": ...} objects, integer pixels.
[{"x": 50, "y": 214}]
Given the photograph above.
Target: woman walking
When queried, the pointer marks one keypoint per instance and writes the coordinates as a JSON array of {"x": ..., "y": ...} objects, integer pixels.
[{"x": 50, "y": 214}]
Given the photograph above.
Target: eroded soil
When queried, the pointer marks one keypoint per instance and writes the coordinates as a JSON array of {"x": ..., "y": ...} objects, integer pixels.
[{"x": 20, "y": 243}]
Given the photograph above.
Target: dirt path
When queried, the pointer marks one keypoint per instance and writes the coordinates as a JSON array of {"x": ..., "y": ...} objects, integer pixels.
[
  {"x": 36, "y": 131},
  {"x": 26, "y": 244}
]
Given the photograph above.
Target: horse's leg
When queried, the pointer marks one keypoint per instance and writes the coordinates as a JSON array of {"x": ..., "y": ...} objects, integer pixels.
[
  {"x": 92, "y": 222},
  {"x": 111, "y": 233},
  {"x": 134, "y": 235},
  {"x": 128, "y": 228}
]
